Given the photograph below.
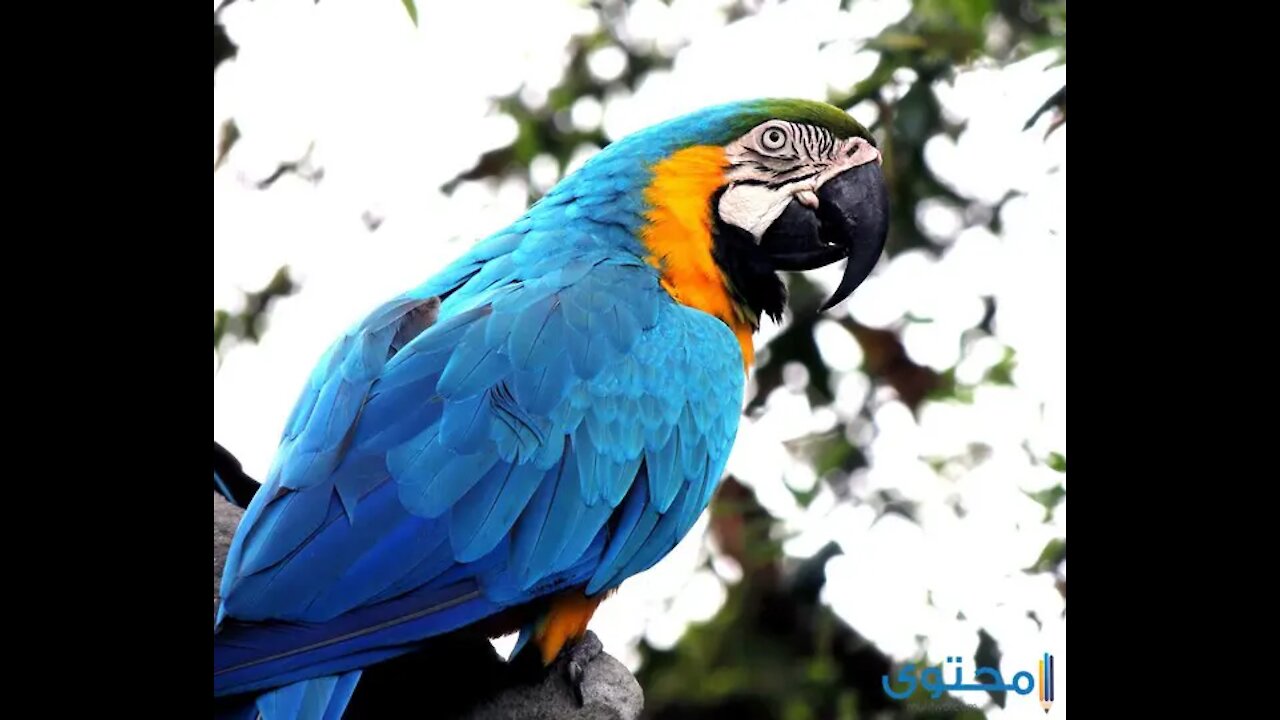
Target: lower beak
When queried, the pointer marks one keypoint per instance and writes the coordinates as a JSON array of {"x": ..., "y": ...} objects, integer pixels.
[{"x": 851, "y": 221}]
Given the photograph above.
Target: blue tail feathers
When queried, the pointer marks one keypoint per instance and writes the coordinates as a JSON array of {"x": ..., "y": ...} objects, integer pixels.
[{"x": 322, "y": 698}]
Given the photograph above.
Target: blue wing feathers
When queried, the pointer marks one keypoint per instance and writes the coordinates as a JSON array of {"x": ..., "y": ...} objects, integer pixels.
[
  {"x": 408, "y": 369},
  {"x": 588, "y": 464},
  {"x": 472, "y": 366},
  {"x": 579, "y": 311},
  {"x": 390, "y": 419},
  {"x": 609, "y": 470},
  {"x": 407, "y": 461},
  {"x": 625, "y": 329},
  {"x": 364, "y": 365},
  {"x": 567, "y": 506},
  {"x": 537, "y": 334},
  {"x": 433, "y": 563},
  {"x": 322, "y": 698},
  {"x": 341, "y": 546},
  {"x": 285, "y": 702},
  {"x": 666, "y": 475},
  {"x": 702, "y": 486},
  {"x": 623, "y": 479},
  {"x": 524, "y": 539},
  {"x": 585, "y": 531},
  {"x": 538, "y": 390},
  {"x": 518, "y": 436},
  {"x": 466, "y": 425},
  {"x": 251, "y": 657},
  {"x": 556, "y": 426},
  {"x": 407, "y": 552},
  {"x": 694, "y": 460},
  {"x": 285, "y": 524},
  {"x": 664, "y": 537},
  {"x": 598, "y": 436},
  {"x": 493, "y": 273},
  {"x": 358, "y": 475},
  {"x": 438, "y": 476},
  {"x": 628, "y": 546},
  {"x": 342, "y": 692},
  {"x": 637, "y": 500},
  {"x": 502, "y": 322},
  {"x": 442, "y": 337},
  {"x": 630, "y": 427},
  {"x": 587, "y": 353},
  {"x": 468, "y": 516},
  {"x": 454, "y": 480}
]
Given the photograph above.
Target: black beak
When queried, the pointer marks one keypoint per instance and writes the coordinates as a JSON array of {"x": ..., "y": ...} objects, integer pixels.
[{"x": 852, "y": 221}]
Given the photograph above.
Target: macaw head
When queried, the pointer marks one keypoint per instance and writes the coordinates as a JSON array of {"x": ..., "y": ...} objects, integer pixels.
[
  {"x": 722, "y": 199},
  {"x": 802, "y": 189}
]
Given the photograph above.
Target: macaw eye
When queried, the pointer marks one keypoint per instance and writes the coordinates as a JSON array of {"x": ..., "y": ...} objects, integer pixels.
[{"x": 773, "y": 139}]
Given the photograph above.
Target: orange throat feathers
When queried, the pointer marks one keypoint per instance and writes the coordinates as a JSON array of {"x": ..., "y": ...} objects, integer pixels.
[{"x": 679, "y": 238}]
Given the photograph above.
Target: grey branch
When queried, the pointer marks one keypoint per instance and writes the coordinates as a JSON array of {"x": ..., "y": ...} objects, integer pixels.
[{"x": 609, "y": 690}]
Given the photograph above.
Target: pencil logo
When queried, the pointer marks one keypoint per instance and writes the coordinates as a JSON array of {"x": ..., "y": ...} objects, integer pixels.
[
  {"x": 1046, "y": 682},
  {"x": 932, "y": 679}
]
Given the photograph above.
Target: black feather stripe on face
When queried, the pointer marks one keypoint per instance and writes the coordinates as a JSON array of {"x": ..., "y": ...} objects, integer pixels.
[{"x": 751, "y": 280}]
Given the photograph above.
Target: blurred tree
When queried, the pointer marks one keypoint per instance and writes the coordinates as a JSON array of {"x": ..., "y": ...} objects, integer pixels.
[{"x": 773, "y": 651}]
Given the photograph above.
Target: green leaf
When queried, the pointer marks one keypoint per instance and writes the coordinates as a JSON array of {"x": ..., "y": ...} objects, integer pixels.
[
  {"x": 847, "y": 705},
  {"x": 1057, "y": 461},
  {"x": 413, "y": 11},
  {"x": 948, "y": 389},
  {"x": 221, "y": 319},
  {"x": 1050, "y": 498},
  {"x": 1047, "y": 42},
  {"x": 835, "y": 453},
  {"x": 1002, "y": 372},
  {"x": 1052, "y": 9},
  {"x": 1052, "y": 555},
  {"x": 229, "y": 135},
  {"x": 804, "y": 498},
  {"x": 889, "y": 41},
  {"x": 971, "y": 13}
]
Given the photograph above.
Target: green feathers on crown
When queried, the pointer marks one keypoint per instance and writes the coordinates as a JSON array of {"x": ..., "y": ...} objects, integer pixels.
[{"x": 813, "y": 113}]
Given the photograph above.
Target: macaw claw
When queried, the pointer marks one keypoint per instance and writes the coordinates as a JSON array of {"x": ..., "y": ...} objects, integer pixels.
[{"x": 576, "y": 659}]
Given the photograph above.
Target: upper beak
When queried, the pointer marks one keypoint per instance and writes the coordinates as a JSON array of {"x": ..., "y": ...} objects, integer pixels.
[{"x": 851, "y": 221}]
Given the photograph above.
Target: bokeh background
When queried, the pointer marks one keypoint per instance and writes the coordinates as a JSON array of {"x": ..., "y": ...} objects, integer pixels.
[{"x": 898, "y": 490}]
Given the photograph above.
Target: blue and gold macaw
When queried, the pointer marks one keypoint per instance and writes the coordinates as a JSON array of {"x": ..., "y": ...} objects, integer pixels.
[{"x": 505, "y": 444}]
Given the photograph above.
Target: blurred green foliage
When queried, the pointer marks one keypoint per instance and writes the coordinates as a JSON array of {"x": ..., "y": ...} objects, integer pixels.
[
  {"x": 774, "y": 651},
  {"x": 248, "y": 323}
]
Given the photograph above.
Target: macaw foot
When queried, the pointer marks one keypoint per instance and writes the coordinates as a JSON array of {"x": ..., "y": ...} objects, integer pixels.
[{"x": 575, "y": 658}]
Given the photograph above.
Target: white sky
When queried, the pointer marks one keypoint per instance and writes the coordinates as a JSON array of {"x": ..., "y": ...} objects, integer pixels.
[{"x": 393, "y": 112}]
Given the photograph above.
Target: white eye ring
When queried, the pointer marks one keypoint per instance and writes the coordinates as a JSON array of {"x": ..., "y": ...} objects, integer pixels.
[{"x": 773, "y": 138}]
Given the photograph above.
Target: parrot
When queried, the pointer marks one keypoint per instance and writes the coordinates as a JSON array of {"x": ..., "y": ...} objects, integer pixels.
[{"x": 497, "y": 449}]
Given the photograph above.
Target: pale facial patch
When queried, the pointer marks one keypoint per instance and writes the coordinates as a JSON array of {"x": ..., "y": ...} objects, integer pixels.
[
  {"x": 778, "y": 161},
  {"x": 753, "y": 207}
]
